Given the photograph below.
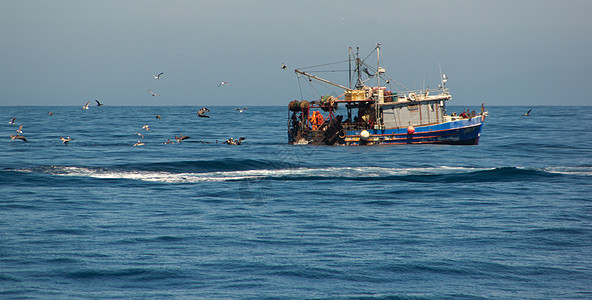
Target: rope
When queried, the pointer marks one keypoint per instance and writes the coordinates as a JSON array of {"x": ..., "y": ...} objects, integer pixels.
[
  {"x": 333, "y": 63},
  {"x": 300, "y": 89}
]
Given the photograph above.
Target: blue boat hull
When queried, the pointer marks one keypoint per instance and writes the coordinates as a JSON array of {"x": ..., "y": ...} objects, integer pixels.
[{"x": 460, "y": 132}]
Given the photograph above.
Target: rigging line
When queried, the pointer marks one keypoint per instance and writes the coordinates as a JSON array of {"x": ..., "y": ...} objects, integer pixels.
[
  {"x": 328, "y": 64},
  {"x": 364, "y": 60},
  {"x": 381, "y": 76},
  {"x": 300, "y": 88},
  {"x": 312, "y": 87},
  {"x": 390, "y": 79},
  {"x": 328, "y": 71}
]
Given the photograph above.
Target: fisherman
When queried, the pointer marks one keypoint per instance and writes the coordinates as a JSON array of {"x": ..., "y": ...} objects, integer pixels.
[
  {"x": 371, "y": 123},
  {"x": 295, "y": 121},
  {"x": 320, "y": 119},
  {"x": 313, "y": 120},
  {"x": 316, "y": 120}
]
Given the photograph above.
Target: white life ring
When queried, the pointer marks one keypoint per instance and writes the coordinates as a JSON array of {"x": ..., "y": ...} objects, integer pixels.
[{"x": 411, "y": 96}]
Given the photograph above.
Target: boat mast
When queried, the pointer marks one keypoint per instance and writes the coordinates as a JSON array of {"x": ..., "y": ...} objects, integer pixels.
[
  {"x": 376, "y": 106},
  {"x": 349, "y": 55},
  {"x": 359, "y": 83}
]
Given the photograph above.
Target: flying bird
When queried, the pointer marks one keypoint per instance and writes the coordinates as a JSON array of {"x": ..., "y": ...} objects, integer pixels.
[
  {"x": 202, "y": 112},
  {"x": 153, "y": 94},
  {"x": 65, "y": 140},
  {"x": 139, "y": 144},
  {"x": 223, "y": 83},
  {"x": 141, "y": 135},
  {"x": 527, "y": 113},
  {"x": 12, "y": 121},
  {"x": 240, "y": 110},
  {"x": 158, "y": 117},
  {"x": 98, "y": 103},
  {"x": 20, "y": 129},
  {"x": 181, "y": 138},
  {"x": 158, "y": 76},
  {"x": 168, "y": 141},
  {"x": 86, "y": 105},
  {"x": 18, "y": 136},
  {"x": 284, "y": 66},
  {"x": 146, "y": 127}
]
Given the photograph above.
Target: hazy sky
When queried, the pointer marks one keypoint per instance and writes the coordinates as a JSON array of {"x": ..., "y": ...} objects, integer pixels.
[{"x": 501, "y": 52}]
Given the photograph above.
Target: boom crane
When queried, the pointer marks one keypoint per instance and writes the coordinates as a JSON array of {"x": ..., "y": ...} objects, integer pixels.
[{"x": 322, "y": 80}]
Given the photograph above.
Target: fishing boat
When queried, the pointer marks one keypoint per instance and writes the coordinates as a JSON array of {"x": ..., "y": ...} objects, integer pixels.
[{"x": 386, "y": 113}]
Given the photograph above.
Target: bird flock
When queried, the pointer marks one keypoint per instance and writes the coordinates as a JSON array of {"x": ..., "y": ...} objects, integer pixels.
[{"x": 202, "y": 113}]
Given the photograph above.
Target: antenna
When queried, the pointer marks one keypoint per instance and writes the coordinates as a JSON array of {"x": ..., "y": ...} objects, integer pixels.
[
  {"x": 377, "y": 119},
  {"x": 443, "y": 78},
  {"x": 349, "y": 54}
]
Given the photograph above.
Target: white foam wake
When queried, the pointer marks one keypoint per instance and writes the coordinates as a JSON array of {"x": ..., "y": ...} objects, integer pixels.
[
  {"x": 329, "y": 172},
  {"x": 581, "y": 171}
]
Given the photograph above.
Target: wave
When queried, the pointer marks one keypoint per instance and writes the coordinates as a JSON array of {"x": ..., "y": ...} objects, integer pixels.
[
  {"x": 200, "y": 166},
  {"x": 418, "y": 174}
]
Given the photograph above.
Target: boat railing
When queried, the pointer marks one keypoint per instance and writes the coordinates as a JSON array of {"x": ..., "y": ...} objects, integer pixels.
[{"x": 396, "y": 96}]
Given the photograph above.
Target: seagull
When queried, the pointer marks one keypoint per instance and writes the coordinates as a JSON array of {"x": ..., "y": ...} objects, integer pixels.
[
  {"x": 146, "y": 127},
  {"x": 232, "y": 141},
  {"x": 527, "y": 113},
  {"x": 12, "y": 121},
  {"x": 240, "y": 110},
  {"x": 98, "y": 103},
  {"x": 65, "y": 140},
  {"x": 168, "y": 141},
  {"x": 284, "y": 66},
  {"x": 50, "y": 113},
  {"x": 86, "y": 105},
  {"x": 153, "y": 94},
  {"x": 202, "y": 112},
  {"x": 223, "y": 83},
  {"x": 158, "y": 76},
  {"x": 139, "y": 144},
  {"x": 18, "y": 136},
  {"x": 158, "y": 117},
  {"x": 181, "y": 138},
  {"x": 20, "y": 129},
  {"x": 140, "y": 134}
]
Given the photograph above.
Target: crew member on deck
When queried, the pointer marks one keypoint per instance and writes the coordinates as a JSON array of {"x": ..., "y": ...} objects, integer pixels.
[
  {"x": 316, "y": 120},
  {"x": 320, "y": 119}
]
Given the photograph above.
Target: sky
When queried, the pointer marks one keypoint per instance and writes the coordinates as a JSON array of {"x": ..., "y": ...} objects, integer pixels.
[{"x": 507, "y": 52}]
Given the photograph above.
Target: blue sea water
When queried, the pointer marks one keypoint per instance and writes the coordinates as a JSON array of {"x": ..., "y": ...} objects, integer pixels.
[{"x": 99, "y": 218}]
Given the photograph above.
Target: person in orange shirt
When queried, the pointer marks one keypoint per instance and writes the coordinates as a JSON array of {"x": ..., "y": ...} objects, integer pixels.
[
  {"x": 313, "y": 120},
  {"x": 316, "y": 120},
  {"x": 320, "y": 119}
]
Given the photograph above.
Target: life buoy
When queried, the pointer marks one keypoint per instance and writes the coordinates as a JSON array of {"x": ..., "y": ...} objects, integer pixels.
[
  {"x": 411, "y": 96},
  {"x": 342, "y": 134},
  {"x": 364, "y": 135}
]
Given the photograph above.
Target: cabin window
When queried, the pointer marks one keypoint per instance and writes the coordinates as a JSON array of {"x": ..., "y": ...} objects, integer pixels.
[{"x": 413, "y": 107}]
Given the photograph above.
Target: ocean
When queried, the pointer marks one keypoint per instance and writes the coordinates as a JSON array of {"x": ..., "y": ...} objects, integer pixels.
[{"x": 100, "y": 218}]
